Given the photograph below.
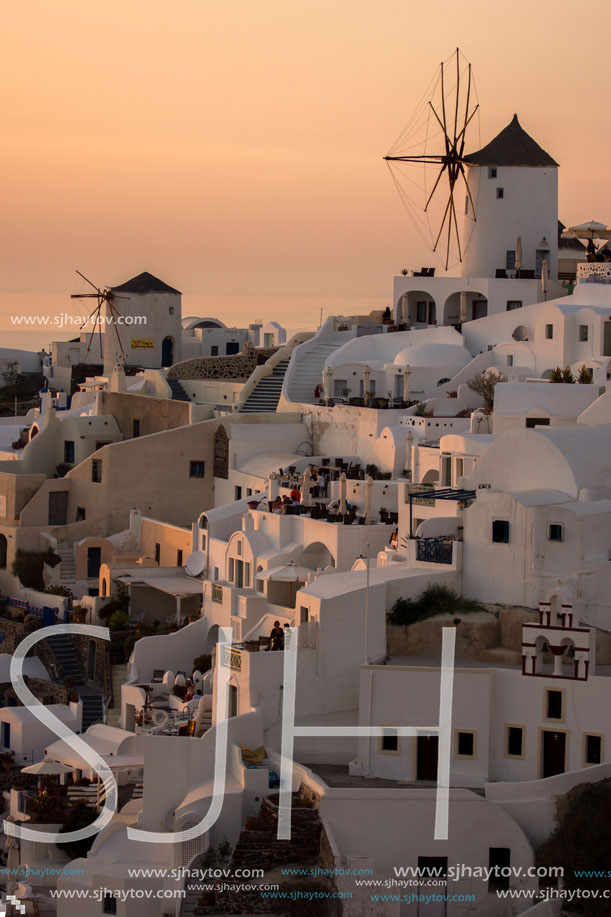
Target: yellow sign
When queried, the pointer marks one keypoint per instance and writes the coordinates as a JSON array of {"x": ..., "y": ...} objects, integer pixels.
[{"x": 142, "y": 343}]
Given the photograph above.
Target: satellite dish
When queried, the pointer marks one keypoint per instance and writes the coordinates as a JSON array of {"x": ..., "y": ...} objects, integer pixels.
[
  {"x": 196, "y": 563},
  {"x": 520, "y": 333}
]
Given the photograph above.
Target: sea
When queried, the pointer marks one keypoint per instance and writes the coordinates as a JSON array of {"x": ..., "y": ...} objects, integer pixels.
[{"x": 56, "y": 313}]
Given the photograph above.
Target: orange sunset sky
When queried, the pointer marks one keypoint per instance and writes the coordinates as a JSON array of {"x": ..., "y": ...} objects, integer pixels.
[{"x": 235, "y": 148}]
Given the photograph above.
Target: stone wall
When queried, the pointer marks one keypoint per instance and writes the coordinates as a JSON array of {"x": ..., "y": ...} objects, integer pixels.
[
  {"x": 48, "y": 692},
  {"x": 154, "y": 414},
  {"x": 239, "y": 366}
]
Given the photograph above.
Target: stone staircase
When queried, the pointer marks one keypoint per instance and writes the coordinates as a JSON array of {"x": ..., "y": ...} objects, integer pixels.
[
  {"x": 258, "y": 847},
  {"x": 67, "y": 568},
  {"x": 265, "y": 396},
  {"x": 309, "y": 362},
  {"x": 65, "y": 653},
  {"x": 178, "y": 392}
]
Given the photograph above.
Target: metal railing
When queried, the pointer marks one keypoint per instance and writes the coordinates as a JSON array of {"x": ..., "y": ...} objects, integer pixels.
[
  {"x": 232, "y": 657},
  {"x": 434, "y": 550}
]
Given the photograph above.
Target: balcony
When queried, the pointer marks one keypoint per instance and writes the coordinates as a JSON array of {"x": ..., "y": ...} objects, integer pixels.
[
  {"x": 434, "y": 550},
  {"x": 232, "y": 658},
  {"x": 594, "y": 272}
]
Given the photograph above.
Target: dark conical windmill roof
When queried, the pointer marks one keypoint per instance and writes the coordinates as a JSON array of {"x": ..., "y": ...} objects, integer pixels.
[
  {"x": 512, "y": 147},
  {"x": 145, "y": 283}
]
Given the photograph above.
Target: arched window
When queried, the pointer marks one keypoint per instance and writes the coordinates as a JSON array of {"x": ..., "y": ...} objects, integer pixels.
[
  {"x": 203, "y": 522},
  {"x": 221, "y": 454}
]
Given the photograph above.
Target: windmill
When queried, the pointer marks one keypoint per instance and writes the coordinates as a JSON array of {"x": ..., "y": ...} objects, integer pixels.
[
  {"x": 434, "y": 139},
  {"x": 103, "y": 298}
]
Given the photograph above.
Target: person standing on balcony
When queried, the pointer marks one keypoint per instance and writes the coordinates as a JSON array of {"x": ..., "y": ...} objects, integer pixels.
[{"x": 276, "y": 637}]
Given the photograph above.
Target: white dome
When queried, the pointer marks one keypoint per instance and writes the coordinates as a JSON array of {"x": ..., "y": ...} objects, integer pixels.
[{"x": 450, "y": 356}]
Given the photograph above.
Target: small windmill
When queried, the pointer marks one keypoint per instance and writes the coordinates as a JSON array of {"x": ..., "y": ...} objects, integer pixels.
[
  {"x": 435, "y": 139},
  {"x": 103, "y": 298}
]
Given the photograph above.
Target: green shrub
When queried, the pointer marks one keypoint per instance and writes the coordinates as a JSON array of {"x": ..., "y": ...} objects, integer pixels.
[
  {"x": 581, "y": 841},
  {"x": 28, "y": 566},
  {"x": 59, "y": 590},
  {"x": 119, "y": 620},
  {"x": 119, "y": 603},
  {"x": 202, "y": 663},
  {"x": 435, "y": 600}
]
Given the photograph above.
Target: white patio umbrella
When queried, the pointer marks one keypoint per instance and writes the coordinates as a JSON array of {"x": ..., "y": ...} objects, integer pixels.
[
  {"x": 407, "y": 371},
  {"x": 519, "y": 255},
  {"x": 12, "y": 861},
  {"x": 53, "y": 768},
  {"x": 368, "y": 488},
  {"x": 305, "y": 487},
  {"x": 544, "y": 277},
  {"x": 342, "y": 494},
  {"x": 366, "y": 380},
  {"x": 327, "y": 377},
  {"x": 590, "y": 230}
]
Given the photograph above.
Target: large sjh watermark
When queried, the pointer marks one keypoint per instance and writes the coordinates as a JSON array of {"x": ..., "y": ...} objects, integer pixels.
[{"x": 443, "y": 730}]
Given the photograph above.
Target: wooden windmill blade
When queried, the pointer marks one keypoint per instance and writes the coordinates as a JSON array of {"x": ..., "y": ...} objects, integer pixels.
[
  {"x": 435, "y": 140},
  {"x": 105, "y": 296}
]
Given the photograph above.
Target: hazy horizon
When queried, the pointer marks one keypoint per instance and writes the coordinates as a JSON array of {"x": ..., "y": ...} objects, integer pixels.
[{"x": 235, "y": 150}]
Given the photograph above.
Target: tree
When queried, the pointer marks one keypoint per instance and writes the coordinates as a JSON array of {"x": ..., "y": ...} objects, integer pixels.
[
  {"x": 11, "y": 374},
  {"x": 485, "y": 385}
]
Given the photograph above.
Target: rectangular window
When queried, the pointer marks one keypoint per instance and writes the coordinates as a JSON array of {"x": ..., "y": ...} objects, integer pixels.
[
  {"x": 583, "y": 333},
  {"x": 249, "y": 491},
  {"x": 216, "y": 573},
  {"x": 179, "y": 558},
  {"x": 230, "y": 570},
  {"x": 555, "y": 532},
  {"x": 239, "y": 548},
  {"x": 464, "y": 744},
  {"x": 500, "y": 193},
  {"x": 214, "y": 350},
  {"x": 96, "y": 471},
  {"x": 196, "y": 469},
  {"x": 553, "y": 705},
  {"x": 514, "y": 304},
  {"x": 514, "y": 741},
  {"x": 446, "y": 470},
  {"x": 460, "y": 470},
  {"x": 500, "y": 531},
  {"x": 389, "y": 741},
  {"x": 509, "y": 359},
  {"x": 492, "y": 172},
  {"x": 247, "y": 576},
  {"x": 217, "y": 593},
  {"x": 421, "y": 311},
  {"x": 549, "y": 332},
  {"x": 157, "y": 552},
  {"x": 69, "y": 452},
  {"x": 80, "y": 514},
  {"x": 136, "y": 429},
  {"x": 171, "y": 310},
  {"x": 304, "y": 614},
  {"x": 593, "y": 749},
  {"x": 238, "y": 492},
  {"x": 510, "y": 259},
  {"x": 499, "y": 862},
  {"x": 467, "y": 204}
]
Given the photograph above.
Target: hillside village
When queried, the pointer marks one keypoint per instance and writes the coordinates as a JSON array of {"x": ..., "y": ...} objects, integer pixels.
[{"x": 443, "y": 476}]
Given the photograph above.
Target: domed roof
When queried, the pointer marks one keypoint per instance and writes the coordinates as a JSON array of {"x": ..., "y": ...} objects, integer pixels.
[{"x": 429, "y": 354}]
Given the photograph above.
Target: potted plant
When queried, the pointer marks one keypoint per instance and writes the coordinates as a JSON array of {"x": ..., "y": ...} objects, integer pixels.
[{"x": 79, "y": 614}]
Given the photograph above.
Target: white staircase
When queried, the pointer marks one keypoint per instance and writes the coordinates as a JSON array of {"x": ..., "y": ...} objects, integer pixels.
[
  {"x": 307, "y": 364},
  {"x": 67, "y": 569}
]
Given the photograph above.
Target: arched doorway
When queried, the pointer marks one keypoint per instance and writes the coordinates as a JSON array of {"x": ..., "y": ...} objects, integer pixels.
[
  {"x": 167, "y": 351},
  {"x": 317, "y": 555},
  {"x": 416, "y": 307},
  {"x": 464, "y": 306},
  {"x": 3, "y": 551}
]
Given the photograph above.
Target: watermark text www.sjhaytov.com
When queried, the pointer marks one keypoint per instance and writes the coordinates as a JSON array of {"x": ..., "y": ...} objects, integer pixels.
[{"x": 64, "y": 320}]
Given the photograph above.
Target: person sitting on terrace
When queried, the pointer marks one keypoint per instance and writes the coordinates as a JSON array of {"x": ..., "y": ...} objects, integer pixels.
[
  {"x": 286, "y": 505},
  {"x": 276, "y": 637},
  {"x": 276, "y": 506}
]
